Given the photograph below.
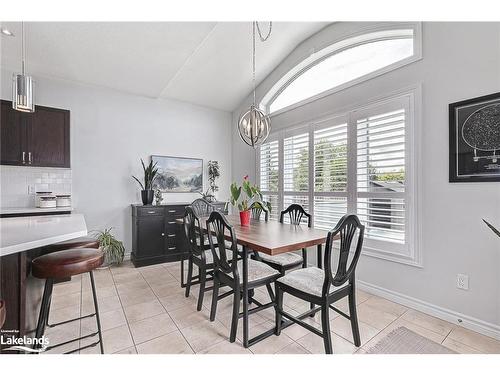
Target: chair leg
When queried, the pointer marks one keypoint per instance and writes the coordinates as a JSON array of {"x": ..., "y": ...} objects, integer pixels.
[
  {"x": 203, "y": 279},
  {"x": 96, "y": 307},
  {"x": 44, "y": 310},
  {"x": 325, "y": 325},
  {"x": 304, "y": 258},
  {"x": 189, "y": 276},
  {"x": 354, "y": 317},
  {"x": 215, "y": 296},
  {"x": 279, "y": 308},
  {"x": 236, "y": 312}
]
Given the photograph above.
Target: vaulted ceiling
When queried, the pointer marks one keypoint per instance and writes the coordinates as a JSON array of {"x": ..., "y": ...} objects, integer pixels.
[{"x": 206, "y": 63}]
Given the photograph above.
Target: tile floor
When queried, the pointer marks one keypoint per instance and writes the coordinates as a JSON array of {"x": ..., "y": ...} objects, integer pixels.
[{"x": 143, "y": 310}]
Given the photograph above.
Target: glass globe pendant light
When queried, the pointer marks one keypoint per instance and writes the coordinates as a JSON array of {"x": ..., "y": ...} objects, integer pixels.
[
  {"x": 254, "y": 125},
  {"x": 22, "y": 85}
]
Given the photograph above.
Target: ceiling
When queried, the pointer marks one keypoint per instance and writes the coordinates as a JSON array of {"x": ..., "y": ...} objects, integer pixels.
[{"x": 206, "y": 63}]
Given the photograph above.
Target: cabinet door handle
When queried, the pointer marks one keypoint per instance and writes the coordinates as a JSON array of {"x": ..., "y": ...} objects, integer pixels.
[
  {"x": 163, "y": 234},
  {"x": 171, "y": 248},
  {"x": 151, "y": 212},
  {"x": 24, "y": 157},
  {"x": 171, "y": 222},
  {"x": 170, "y": 235},
  {"x": 172, "y": 211},
  {"x": 29, "y": 157}
]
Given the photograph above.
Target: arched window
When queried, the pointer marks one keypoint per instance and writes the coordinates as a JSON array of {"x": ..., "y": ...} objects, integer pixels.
[{"x": 343, "y": 64}]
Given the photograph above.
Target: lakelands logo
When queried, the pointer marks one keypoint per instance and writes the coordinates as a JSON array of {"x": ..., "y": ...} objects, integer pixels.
[{"x": 24, "y": 344}]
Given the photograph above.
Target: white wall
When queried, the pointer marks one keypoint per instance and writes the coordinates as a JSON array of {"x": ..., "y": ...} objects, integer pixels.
[
  {"x": 460, "y": 61},
  {"x": 111, "y": 131}
]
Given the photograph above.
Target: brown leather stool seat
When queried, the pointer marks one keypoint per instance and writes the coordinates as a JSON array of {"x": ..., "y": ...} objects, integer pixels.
[
  {"x": 75, "y": 243},
  {"x": 67, "y": 263}
]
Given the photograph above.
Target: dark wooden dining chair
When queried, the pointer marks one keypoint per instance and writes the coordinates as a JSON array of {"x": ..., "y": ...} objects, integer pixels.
[
  {"x": 229, "y": 271},
  {"x": 287, "y": 261},
  {"x": 324, "y": 287},
  {"x": 202, "y": 207},
  {"x": 199, "y": 254},
  {"x": 257, "y": 209}
]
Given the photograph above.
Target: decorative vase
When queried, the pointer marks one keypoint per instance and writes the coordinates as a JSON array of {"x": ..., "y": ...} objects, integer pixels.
[
  {"x": 147, "y": 197},
  {"x": 245, "y": 218}
]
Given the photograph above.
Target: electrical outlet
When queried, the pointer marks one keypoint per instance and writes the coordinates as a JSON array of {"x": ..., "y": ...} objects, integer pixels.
[{"x": 463, "y": 281}]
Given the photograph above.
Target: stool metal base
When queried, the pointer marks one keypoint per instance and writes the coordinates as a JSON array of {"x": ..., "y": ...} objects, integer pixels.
[{"x": 44, "y": 317}]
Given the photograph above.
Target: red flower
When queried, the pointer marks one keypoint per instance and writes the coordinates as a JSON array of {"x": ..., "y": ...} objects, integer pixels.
[{"x": 245, "y": 177}]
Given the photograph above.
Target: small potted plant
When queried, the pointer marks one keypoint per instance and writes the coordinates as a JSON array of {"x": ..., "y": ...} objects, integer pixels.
[
  {"x": 114, "y": 251},
  {"x": 147, "y": 192},
  {"x": 252, "y": 194}
]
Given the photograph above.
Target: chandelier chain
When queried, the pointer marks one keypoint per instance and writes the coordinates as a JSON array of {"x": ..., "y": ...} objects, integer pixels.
[{"x": 255, "y": 24}]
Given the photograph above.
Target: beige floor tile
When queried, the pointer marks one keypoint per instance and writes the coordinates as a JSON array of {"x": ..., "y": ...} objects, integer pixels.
[
  {"x": 166, "y": 289},
  {"x": 459, "y": 347},
  {"x": 475, "y": 340},
  {"x": 178, "y": 300},
  {"x": 63, "y": 349},
  {"x": 117, "y": 339},
  {"x": 66, "y": 313},
  {"x": 68, "y": 287},
  {"x": 134, "y": 297},
  {"x": 130, "y": 350},
  {"x": 135, "y": 285},
  {"x": 143, "y": 310},
  {"x": 375, "y": 317},
  {"x": 342, "y": 327},
  {"x": 129, "y": 277},
  {"x": 62, "y": 333},
  {"x": 188, "y": 316},
  {"x": 109, "y": 319},
  {"x": 125, "y": 267},
  {"x": 270, "y": 345},
  {"x": 293, "y": 348},
  {"x": 433, "y": 324},
  {"x": 226, "y": 347},
  {"x": 204, "y": 335},
  {"x": 385, "y": 305},
  {"x": 104, "y": 304},
  {"x": 66, "y": 300},
  {"x": 102, "y": 292},
  {"x": 172, "y": 343},
  {"x": 362, "y": 296},
  {"x": 150, "y": 328},
  {"x": 314, "y": 344}
]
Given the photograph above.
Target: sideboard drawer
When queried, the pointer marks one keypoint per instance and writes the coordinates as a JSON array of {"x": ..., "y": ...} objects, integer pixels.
[{"x": 150, "y": 211}]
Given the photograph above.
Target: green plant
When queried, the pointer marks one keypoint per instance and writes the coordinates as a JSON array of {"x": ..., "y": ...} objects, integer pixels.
[
  {"x": 113, "y": 249},
  {"x": 213, "y": 174},
  {"x": 150, "y": 173},
  {"x": 495, "y": 230},
  {"x": 253, "y": 196}
]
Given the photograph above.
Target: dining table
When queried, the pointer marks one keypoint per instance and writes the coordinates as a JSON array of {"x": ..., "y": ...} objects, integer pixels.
[{"x": 272, "y": 238}]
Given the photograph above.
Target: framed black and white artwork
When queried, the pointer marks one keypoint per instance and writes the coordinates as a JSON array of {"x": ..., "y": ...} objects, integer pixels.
[
  {"x": 178, "y": 175},
  {"x": 475, "y": 139}
]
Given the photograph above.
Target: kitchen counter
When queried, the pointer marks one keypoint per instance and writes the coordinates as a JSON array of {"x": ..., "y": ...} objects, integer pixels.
[
  {"x": 32, "y": 210},
  {"x": 19, "y": 234}
]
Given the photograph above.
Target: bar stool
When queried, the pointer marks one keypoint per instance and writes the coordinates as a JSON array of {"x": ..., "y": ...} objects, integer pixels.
[
  {"x": 63, "y": 264},
  {"x": 75, "y": 243}
]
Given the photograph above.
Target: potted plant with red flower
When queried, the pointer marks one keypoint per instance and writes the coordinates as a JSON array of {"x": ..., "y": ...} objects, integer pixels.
[{"x": 252, "y": 194}]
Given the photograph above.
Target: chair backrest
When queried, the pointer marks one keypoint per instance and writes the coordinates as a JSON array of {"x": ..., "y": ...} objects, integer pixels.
[
  {"x": 202, "y": 207},
  {"x": 347, "y": 227},
  {"x": 257, "y": 209},
  {"x": 193, "y": 230},
  {"x": 225, "y": 239},
  {"x": 296, "y": 212}
]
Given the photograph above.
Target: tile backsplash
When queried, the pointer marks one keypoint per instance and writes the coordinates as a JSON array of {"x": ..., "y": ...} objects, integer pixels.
[{"x": 18, "y": 185}]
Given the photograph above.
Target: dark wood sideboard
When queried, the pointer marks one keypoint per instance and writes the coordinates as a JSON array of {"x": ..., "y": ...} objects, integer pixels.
[{"x": 156, "y": 237}]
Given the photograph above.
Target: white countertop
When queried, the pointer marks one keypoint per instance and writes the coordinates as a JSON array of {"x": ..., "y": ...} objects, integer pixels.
[
  {"x": 24, "y": 233},
  {"x": 32, "y": 210}
]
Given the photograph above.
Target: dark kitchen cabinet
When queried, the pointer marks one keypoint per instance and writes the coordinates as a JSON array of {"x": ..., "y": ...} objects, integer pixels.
[{"x": 39, "y": 139}]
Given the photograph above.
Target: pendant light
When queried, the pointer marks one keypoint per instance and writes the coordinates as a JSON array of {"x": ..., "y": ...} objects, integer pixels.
[
  {"x": 254, "y": 125},
  {"x": 22, "y": 85}
]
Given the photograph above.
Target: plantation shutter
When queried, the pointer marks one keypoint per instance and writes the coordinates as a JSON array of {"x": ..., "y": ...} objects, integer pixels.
[{"x": 269, "y": 175}]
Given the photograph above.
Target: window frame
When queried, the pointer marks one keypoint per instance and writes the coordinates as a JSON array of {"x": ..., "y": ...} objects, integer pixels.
[
  {"x": 346, "y": 41},
  {"x": 412, "y": 254}
]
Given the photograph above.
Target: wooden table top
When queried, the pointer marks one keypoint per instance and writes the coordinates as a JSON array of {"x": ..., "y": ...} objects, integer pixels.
[{"x": 273, "y": 237}]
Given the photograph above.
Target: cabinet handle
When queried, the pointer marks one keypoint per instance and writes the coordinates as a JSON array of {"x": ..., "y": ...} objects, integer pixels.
[
  {"x": 24, "y": 157},
  {"x": 172, "y": 211},
  {"x": 29, "y": 157},
  {"x": 170, "y": 235},
  {"x": 171, "y": 222},
  {"x": 163, "y": 234},
  {"x": 171, "y": 248},
  {"x": 151, "y": 212}
]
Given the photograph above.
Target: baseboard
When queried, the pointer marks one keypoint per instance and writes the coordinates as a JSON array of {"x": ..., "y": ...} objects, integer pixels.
[{"x": 477, "y": 325}]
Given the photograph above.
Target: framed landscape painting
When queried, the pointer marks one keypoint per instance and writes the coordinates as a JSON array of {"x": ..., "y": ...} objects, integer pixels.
[
  {"x": 178, "y": 175},
  {"x": 475, "y": 139}
]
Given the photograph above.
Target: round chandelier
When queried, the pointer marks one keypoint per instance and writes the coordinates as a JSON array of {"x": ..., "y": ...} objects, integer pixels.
[{"x": 254, "y": 125}]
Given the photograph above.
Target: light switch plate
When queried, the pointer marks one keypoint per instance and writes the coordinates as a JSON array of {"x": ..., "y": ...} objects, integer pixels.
[{"x": 463, "y": 281}]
